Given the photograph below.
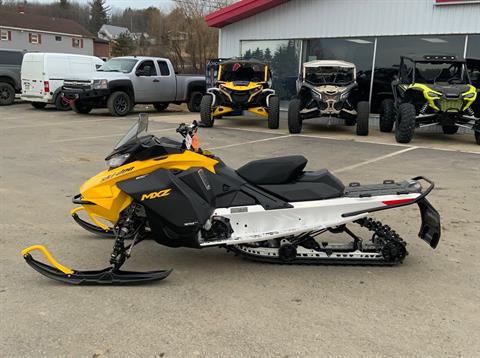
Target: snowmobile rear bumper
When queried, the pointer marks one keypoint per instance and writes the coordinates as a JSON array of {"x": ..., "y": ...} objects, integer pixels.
[{"x": 108, "y": 275}]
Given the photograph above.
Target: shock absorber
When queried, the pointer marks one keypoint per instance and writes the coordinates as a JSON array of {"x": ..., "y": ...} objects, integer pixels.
[
  {"x": 424, "y": 108},
  {"x": 470, "y": 112}
]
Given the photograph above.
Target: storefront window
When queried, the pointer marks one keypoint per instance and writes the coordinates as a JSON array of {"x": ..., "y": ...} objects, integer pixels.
[
  {"x": 473, "y": 58},
  {"x": 390, "y": 48},
  {"x": 359, "y": 51},
  {"x": 283, "y": 58}
]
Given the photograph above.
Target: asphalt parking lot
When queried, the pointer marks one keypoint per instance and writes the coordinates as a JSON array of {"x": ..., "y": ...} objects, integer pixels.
[{"x": 215, "y": 304}]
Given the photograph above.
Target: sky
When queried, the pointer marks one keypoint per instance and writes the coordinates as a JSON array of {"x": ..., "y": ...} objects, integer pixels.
[{"x": 121, "y": 4}]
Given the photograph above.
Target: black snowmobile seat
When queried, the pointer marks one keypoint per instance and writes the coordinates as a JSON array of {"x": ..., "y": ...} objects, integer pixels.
[{"x": 278, "y": 170}]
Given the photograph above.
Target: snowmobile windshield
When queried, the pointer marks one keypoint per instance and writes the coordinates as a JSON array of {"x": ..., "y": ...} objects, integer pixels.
[
  {"x": 319, "y": 76},
  {"x": 241, "y": 71},
  {"x": 138, "y": 130},
  {"x": 124, "y": 65},
  {"x": 438, "y": 72}
]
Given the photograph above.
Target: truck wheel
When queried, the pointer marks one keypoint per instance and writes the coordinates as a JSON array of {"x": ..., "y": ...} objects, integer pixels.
[
  {"x": 7, "y": 94},
  {"x": 60, "y": 103},
  {"x": 450, "y": 129},
  {"x": 194, "y": 101},
  {"x": 161, "y": 106},
  {"x": 81, "y": 108},
  {"x": 405, "y": 126},
  {"x": 387, "y": 115},
  {"x": 294, "y": 117},
  {"x": 119, "y": 104},
  {"x": 363, "y": 110},
  {"x": 273, "y": 112},
  {"x": 38, "y": 105},
  {"x": 206, "y": 117}
]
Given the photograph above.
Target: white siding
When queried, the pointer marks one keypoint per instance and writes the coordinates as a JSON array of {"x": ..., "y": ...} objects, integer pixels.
[
  {"x": 19, "y": 41},
  {"x": 298, "y": 19}
]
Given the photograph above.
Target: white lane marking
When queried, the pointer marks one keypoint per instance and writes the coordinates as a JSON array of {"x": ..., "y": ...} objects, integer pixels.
[
  {"x": 249, "y": 142},
  {"x": 373, "y": 160},
  {"x": 105, "y": 136},
  {"x": 59, "y": 123}
]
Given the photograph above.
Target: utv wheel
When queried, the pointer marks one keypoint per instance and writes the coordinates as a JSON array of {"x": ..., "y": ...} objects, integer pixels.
[
  {"x": 477, "y": 137},
  {"x": 81, "y": 108},
  {"x": 387, "y": 115},
  {"x": 363, "y": 110},
  {"x": 194, "y": 101},
  {"x": 206, "y": 111},
  {"x": 38, "y": 105},
  {"x": 60, "y": 104},
  {"x": 450, "y": 129},
  {"x": 119, "y": 104},
  {"x": 294, "y": 117},
  {"x": 405, "y": 126},
  {"x": 273, "y": 112},
  {"x": 161, "y": 106},
  {"x": 7, "y": 94}
]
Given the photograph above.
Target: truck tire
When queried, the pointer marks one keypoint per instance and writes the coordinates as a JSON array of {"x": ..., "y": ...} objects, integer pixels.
[
  {"x": 60, "y": 104},
  {"x": 195, "y": 101},
  {"x": 119, "y": 104},
  {"x": 387, "y": 115},
  {"x": 81, "y": 108},
  {"x": 7, "y": 94},
  {"x": 450, "y": 129},
  {"x": 405, "y": 126},
  {"x": 161, "y": 106},
  {"x": 38, "y": 105},
  {"x": 273, "y": 112},
  {"x": 363, "y": 110},
  {"x": 294, "y": 117},
  {"x": 206, "y": 117}
]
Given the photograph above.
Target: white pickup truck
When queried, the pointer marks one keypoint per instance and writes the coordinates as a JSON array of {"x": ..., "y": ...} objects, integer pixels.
[{"x": 123, "y": 82}]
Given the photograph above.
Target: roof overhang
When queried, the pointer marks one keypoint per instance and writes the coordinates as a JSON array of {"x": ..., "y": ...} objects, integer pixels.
[{"x": 239, "y": 11}]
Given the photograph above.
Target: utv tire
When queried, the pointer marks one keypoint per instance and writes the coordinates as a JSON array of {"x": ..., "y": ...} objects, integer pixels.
[
  {"x": 81, "y": 108},
  {"x": 7, "y": 94},
  {"x": 405, "y": 126},
  {"x": 450, "y": 129},
  {"x": 363, "y": 110},
  {"x": 294, "y": 117},
  {"x": 387, "y": 115},
  {"x": 119, "y": 104},
  {"x": 273, "y": 112},
  {"x": 161, "y": 106},
  {"x": 38, "y": 105},
  {"x": 194, "y": 101},
  {"x": 60, "y": 104},
  {"x": 206, "y": 111}
]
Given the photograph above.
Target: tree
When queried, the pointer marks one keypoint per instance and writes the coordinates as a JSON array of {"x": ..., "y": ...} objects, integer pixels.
[
  {"x": 123, "y": 45},
  {"x": 98, "y": 15}
]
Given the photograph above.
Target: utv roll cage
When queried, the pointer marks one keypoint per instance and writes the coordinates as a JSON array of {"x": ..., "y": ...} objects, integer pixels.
[{"x": 245, "y": 72}]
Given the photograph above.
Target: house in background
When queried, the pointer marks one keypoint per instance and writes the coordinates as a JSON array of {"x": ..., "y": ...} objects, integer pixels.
[
  {"x": 37, "y": 33},
  {"x": 110, "y": 32}
]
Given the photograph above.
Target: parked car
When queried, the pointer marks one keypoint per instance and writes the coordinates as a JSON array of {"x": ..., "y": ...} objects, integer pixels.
[
  {"x": 43, "y": 75},
  {"x": 123, "y": 82},
  {"x": 430, "y": 90},
  {"x": 10, "y": 64},
  {"x": 328, "y": 88}
]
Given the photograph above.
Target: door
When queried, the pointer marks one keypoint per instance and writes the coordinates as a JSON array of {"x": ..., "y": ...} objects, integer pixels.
[
  {"x": 146, "y": 82},
  {"x": 167, "y": 91}
]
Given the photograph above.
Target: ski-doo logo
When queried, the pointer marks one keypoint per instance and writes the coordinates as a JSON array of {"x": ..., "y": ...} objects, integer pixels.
[
  {"x": 156, "y": 194},
  {"x": 113, "y": 175}
]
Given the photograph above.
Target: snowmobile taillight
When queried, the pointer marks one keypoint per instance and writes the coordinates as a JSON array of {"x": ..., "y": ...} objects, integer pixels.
[
  {"x": 398, "y": 201},
  {"x": 46, "y": 86}
]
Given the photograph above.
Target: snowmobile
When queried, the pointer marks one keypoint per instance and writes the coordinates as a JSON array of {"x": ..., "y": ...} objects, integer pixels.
[{"x": 269, "y": 210}]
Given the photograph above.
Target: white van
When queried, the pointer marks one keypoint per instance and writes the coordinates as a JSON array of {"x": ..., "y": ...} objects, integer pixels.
[{"x": 43, "y": 74}]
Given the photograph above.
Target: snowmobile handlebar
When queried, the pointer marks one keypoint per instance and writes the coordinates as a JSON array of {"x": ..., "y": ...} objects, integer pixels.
[{"x": 185, "y": 129}]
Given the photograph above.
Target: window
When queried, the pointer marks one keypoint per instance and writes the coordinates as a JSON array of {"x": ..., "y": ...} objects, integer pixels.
[
  {"x": 8, "y": 57},
  {"x": 58, "y": 38},
  {"x": 164, "y": 70},
  {"x": 5, "y": 35},
  {"x": 473, "y": 56},
  {"x": 34, "y": 38},
  {"x": 77, "y": 43},
  {"x": 148, "y": 68}
]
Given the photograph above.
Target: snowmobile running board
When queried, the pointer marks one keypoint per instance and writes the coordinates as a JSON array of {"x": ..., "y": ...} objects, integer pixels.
[{"x": 107, "y": 276}]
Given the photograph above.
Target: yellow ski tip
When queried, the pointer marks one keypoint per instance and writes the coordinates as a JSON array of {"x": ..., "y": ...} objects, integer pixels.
[{"x": 55, "y": 263}]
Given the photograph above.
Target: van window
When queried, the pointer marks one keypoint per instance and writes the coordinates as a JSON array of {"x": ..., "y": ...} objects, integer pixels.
[
  {"x": 164, "y": 70},
  {"x": 11, "y": 58},
  {"x": 153, "y": 71}
]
